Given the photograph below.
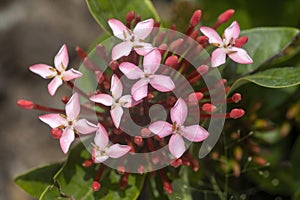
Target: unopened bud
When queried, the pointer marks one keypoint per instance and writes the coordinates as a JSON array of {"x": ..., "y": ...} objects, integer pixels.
[
  {"x": 26, "y": 104},
  {"x": 202, "y": 69},
  {"x": 209, "y": 108},
  {"x": 237, "y": 97},
  {"x": 176, "y": 44},
  {"x": 168, "y": 188},
  {"x": 65, "y": 99},
  {"x": 171, "y": 61},
  {"x": 99, "y": 76},
  {"x": 138, "y": 140},
  {"x": 114, "y": 65},
  {"x": 96, "y": 186},
  {"x": 236, "y": 113},
  {"x": 56, "y": 133},
  {"x": 241, "y": 41},
  {"x": 176, "y": 163},
  {"x": 145, "y": 132},
  {"x": 225, "y": 16},
  {"x": 202, "y": 40},
  {"x": 81, "y": 53},
  {"x": 141, "y": 169},
  {"x": 130, "y": 16},
  {"x": 87, "y": 163},
  {"x": 195, "y": 19},
  {"x": 121, "y": 169},
  {"x": 195, "y": 97}
]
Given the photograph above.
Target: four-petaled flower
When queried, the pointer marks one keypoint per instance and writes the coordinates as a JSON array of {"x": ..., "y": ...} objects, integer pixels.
[
  {"x": 151, "y": 64},
  {"x": 226, "y": 45},
  {"x": 58, "y": 73},
  {"x": 194, "y": 133},
  {"x": 101, "y": 150},
  {"x": 116, "y": 100},
  {"x": 70, "y": 124},
  {"x": 131, "y": 39}
]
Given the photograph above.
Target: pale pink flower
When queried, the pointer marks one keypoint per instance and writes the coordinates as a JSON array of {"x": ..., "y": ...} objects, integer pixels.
[
  {"x": 70, "y": 124},
  {"x": 226, "y": 45},
  {"x": 58, "y": 73},
  {"x": 193, "y": 133},
  {"x": 151, "y": 64},
  {"x": 131, "y": 39},
  {"x": 101, "y": 150},
  {"x": 115, "y": 100}
]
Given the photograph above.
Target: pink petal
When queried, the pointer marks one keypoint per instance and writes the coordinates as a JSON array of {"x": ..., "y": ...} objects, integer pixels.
[
  {"x": 239, "y": 55},
  {"x": 120, "y": 50},
  {"x": 71, "y": 74},
  {"x": 179, "y": 112},
  {"x": 83, "y": 126},
  {"x": 162, "y": 83},
  {"x": 53, "y": 120},
  {"x": 100, "y": 159},
  {"x": 116, "y": 115},
  {"x": 54, "y": 85},
  {"x": 176, "y": 146},
  {"x": 61, "y": 59},
  {"x": 232, "y": 32},
  {"x": 104, "y": 99},
  {"x": 218, "y": 57},
  {"x": 116, "y": 87},
  {"x": 212, "y": 35},
  {"x": 152, "y": 61},
  {"x": 143, "y": 48},
  {"x": 195, "y": 133},
  {"x": 161, "y": 128},
  {"x": 73, "y": 107},
  {"x": 130, "y": 70},
  {"x": 143, "y": 28},
  {"x": 126, "y": 100},
  {"x": 140, "y": 89},
  {"x": 118, "y": 28},
  {"x": 66, "y": 139},
  {"x": 45, "y": 71},
  {"x": 101, "y": 138},
  {"x": 117, "y": 150}
]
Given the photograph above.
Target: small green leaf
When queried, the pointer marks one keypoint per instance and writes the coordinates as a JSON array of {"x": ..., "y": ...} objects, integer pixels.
[
  {"x": 37, "y": 180},
  {"x": 266, "y": 44},
  {"x": 272, "y": 78},
  {"x": 74, "y": 181},
  {"x": 102, "y": 10}
]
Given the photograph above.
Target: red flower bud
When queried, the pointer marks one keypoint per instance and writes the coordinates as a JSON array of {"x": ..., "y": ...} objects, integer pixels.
[
  {"x": 171, "y": 61},
  {"x": 241, "y": 41},
  {"x": 130, "y": 16},
  {"x": 209, "y": 108},
  {"x": 237, "y": 97},
  {"x": 236, "y": 113},
  {"x": 225, "y": 16},
  {"x": 195, "y": 19},
  {"x": 26, "y": 104},
  {"x": 96, "y": 186},
  {"x": 56, "y": 133}
]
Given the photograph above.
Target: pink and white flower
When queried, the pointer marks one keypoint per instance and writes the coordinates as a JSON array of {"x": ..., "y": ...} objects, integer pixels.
[
  {"x": 131, "y": 39},
  {"x": 226, "y": 45},
  {"x": 70, "y": 124},
  {"x": 193, "y": 133},
  {"x": 101, "y": 150},
  {"x": 58, "y": 73},
  {"x": 115, "y": 100},
  {"x": 151, "y": 64}
]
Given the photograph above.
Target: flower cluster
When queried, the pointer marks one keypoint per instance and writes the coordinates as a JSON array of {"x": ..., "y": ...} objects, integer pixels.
[{"x": 141, "y": 42}]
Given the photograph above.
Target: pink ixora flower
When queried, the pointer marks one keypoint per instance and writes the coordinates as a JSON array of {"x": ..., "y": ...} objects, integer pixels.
[
  {"x": 151, "y": 64},
  {"x": 58, "y": 73},
  {"x": 131, "y": 39},
  {"x": 116, "y": 100},
  {"x": 193, "y": 133},
  {"x": 101, "y": 150},
  {"x": 226, "y": 45},
  {"x": 70, "y": 123}
]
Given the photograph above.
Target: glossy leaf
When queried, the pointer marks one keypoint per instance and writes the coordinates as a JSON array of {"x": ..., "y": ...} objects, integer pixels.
[
  {"x": 37, "y": 180},
  {"x": 265, "y": 45},
  {"x": 272, "y": 78},
  {"x": 102, "y": 10},
  {"x": 74, "y": 181}
]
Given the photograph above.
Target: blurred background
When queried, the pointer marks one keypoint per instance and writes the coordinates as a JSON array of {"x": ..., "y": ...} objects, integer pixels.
[{"x": 32, "y": 31}]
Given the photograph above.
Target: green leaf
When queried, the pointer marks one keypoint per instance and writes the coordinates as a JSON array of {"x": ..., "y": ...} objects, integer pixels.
[
  {"x": 37, "y": 180},
  {"x": 102, "y": 10},
  {"x": 74, "y": 181},
  {"x": 272, "y": 78},
  {"x": 265, "y": 45}
]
